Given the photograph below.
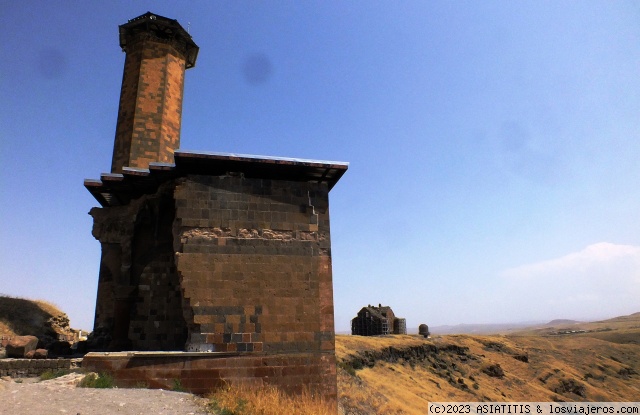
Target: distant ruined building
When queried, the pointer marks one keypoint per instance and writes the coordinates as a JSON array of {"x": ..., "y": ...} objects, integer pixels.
[
  {"x": 423, "y": 330},
  {"x": 374, "y": 321},
  {"x": 227, "y": 257}
]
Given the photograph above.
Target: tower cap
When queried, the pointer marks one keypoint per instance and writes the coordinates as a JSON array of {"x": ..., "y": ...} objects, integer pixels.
[{"x": 162, "y": 28}]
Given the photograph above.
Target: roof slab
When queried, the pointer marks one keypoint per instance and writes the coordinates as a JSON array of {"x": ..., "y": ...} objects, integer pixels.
[{"x": 120, "y": 189}]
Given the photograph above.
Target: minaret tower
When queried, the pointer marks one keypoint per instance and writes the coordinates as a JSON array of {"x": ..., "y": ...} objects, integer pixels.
[{"x": 159, "y": 51}]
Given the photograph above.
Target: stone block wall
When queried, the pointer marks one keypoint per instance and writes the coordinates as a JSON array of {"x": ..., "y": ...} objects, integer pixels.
[
  {"x": 36, "y": 367},
  {"x": 254, "y": 260},
  {"x": 139, "y": 300},
  {"x": 150, "y": 112},
  {"x": 399, "y": 325},
  {"x": 236, "y": 266},
  {"x": 202, "y": 373},
  {"x": 157, "y": 322}
]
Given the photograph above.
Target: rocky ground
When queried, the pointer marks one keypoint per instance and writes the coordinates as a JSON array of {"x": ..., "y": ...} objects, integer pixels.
[{"x": 61, "y": 396}]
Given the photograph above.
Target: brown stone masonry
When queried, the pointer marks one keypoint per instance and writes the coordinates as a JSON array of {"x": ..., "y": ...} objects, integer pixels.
[
  {"x": 223, "y": 259},
  {"x": 36, "y": 367},
  {"x": 235, "y": 264},
  {"x": 203, "y": 372},
  {"x": 254, "y": 262},
  {"x": 150, "y": 111},
  {"x": 139, "y": 302},
  {"x": 220, "y": 264}
]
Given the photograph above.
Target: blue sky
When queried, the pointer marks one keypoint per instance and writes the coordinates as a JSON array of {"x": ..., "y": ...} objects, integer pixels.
[{"x": 493, "y": 146}]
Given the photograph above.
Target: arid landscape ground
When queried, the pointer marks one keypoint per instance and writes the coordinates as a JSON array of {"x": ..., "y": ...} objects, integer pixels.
[
  {"x": 561, "y": 361},
  {"x": 597, "y": 361}
]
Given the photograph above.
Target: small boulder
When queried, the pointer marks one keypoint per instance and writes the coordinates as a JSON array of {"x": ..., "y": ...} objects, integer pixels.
[
  {"x": 522, "y": 357},
  {"x": 495, "y": 371},
  {"x": 19, "y": 346},
  {"x": 40, "y": 354},
  {"x": 570, "y": 386}
]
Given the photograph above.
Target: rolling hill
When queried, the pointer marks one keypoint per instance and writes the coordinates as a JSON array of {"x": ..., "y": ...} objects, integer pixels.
[
  {"x": 20, "y": 316},
  {"x": 599, "y": 361}
]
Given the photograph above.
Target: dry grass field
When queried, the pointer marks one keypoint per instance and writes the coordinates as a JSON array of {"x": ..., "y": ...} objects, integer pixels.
[
  {"x": 400, "y": 374},
  {"x": 236, "y": 399}
]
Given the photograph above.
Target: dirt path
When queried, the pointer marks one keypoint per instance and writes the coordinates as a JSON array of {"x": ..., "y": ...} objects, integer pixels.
[{"x": 61, "y": 396}]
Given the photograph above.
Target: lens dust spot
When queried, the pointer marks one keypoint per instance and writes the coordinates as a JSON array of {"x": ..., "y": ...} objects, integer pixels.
[
  {"x": 257, "y": 69},
  {"x": 51, "y": 63}
]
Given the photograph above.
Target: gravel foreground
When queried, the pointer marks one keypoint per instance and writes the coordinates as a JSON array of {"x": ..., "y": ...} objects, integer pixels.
[{"x": 61, "y": 396}]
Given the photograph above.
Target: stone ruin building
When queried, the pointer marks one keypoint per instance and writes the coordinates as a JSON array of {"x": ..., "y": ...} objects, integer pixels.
[
  {"x": 214, "y": 267},
  {"x": 375, "y": 321},
  {"x": 423, "y": 330}
]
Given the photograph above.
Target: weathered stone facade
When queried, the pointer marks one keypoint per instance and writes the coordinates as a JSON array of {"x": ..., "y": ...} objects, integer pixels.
[
  {"x": 150, "y": 112},
  {"x": 255, "y": 264},
  {"x": 218, "y": 263},
  {"x": 225, "y": 258},
  {"x": 375, "y": 321},
  {"x": 203, "y": 372},
  {"x": 139, "y": 301}
]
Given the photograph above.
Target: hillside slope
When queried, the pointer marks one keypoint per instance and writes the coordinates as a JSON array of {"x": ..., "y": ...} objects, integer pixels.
[
  {"x": 20, "y": 316},
  {"x": 400, "y": 374},
  {"x": 623, "y": 329}
]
